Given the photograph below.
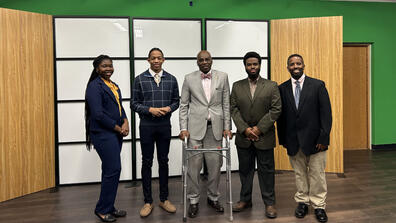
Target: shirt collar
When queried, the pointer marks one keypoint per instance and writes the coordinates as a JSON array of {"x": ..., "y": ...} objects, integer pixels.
[
  {"x": 255, "y": 81},
  {"x": 153, "y": 73},
  {"x": 301, "y": 79}
]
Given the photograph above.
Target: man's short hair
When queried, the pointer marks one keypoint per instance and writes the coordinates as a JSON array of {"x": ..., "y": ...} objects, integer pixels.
[
  {"x": 250, "y": 55},
  {"x": 294, "y": 55},
  {"x": 155, "y": 49}
]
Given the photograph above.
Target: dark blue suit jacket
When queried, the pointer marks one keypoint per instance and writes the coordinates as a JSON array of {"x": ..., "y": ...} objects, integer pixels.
[
  {"x": 103, "y": 107},
  {"x": 308, "y": 125}
]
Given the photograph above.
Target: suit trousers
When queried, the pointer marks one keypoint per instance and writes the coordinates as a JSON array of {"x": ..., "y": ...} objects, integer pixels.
[
  {"x": 247, "y": 158},
  {"x": 161, "y": 136},
  {"x": 214, "y": 161},
  {"x": 310, "y": 178},
  {"x": 108, "y": 147}
]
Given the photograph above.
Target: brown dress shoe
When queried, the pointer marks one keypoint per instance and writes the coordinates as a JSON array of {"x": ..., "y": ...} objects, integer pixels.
[
  {"x": 146, "y": 210},
  {"x": 270, "y": 211},
  {"x": 241, "y": 205},
  {"x": 168, "y": 206}
]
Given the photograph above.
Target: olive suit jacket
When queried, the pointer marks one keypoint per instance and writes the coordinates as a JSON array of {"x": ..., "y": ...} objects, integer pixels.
[{"x": 262, "y": 111}]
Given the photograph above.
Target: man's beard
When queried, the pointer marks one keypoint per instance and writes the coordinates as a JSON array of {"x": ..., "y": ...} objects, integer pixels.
[{"x": 253, "y": 76}]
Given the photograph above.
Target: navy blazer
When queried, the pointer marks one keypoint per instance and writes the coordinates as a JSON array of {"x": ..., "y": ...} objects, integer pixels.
[
  {"x": 308, "y": 125},
  {"x": 103, "y": 106}
]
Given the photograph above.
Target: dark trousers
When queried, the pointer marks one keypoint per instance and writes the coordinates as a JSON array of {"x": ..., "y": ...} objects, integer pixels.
[
  {"x": 266, "y": 173},
  {"x": 108, "y": 146},
  {"x": 161, "y": 136}
]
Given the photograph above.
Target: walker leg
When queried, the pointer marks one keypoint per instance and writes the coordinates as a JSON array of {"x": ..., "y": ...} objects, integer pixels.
[
  {"x": 229, "y": 191},
  {"x": 185, "y": 189}
]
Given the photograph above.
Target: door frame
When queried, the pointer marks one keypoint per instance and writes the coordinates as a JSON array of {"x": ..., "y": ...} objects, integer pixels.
[{"x": 369, "y": 102}]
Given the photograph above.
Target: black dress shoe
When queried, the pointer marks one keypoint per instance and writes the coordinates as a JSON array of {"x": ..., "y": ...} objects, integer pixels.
[
  {"x": 106, "y": 217},
  {"x": 320, "y": 215},
  {"x": 301, "y": 210},
  {"x": 216, "y": 205},
  {"x": 119, "y": 213},
  {"x": 193, "y": 210}
]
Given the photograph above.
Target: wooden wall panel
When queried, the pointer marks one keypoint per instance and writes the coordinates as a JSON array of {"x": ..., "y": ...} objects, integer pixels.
[
  {"x": 356, "y": 97},
  {"x": 319, "y": 41},
  {"x": 26, "y": 103}
]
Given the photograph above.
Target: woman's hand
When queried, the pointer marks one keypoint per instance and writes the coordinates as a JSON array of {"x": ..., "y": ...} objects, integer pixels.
[{"x": 125, "y": 128}]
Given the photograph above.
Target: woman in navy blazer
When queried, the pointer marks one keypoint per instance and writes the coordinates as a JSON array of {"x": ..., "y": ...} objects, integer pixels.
[{"x": 105, "y": 124}]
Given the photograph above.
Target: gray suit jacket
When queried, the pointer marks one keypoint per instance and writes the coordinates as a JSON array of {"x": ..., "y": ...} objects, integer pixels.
[
  {"x": 194, "y": 107},
  {"x": 262, "y": 111}
]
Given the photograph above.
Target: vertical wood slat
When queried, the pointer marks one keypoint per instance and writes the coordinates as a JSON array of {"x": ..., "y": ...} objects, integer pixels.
[
  {"x": 319, "y": 41},
  {"x": 26, "y": 103}
]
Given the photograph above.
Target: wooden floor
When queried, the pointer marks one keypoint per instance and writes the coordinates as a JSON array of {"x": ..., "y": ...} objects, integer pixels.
[{"x": 366, "y": 194}]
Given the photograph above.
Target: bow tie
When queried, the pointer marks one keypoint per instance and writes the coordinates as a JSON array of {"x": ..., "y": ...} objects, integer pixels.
[{"x": 208, "y": 75}]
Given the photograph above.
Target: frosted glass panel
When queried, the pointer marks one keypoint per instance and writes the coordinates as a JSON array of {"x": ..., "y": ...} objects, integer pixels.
[
  {"x": 236, "y": 38},
  {"x": 71, "y": 122},
  {"x": 86, "y": 37},
  {"x": 178, "y": 68},
  {"x": 72, "y": 78},
  {"x": 176, "y": 38},
  {"x": 234, "y": 157},
  {"x": 78, "y": 165}
]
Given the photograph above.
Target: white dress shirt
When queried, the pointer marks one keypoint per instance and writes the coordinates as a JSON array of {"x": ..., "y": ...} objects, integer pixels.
[
  {"x": 153, "y": 73},
  {"x": 301, "y": 80}
]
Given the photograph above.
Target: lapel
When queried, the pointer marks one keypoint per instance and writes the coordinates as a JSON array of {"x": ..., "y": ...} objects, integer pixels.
[
  {"x": 197, "y": 79},
  {"x": 107, "y": 90},
  {"x": 304, "y": 91},
  {"x": 259, "y": 88},
  {"x": 246, "y": 89},
  {"x": 213, "y": 84},
  {"x": 290, "y": 96}
]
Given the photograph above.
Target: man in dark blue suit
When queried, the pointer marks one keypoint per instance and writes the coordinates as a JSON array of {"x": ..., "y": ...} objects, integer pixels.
[
  {"x": 155, "y": 97},
  {"x": 304, "y": 130}
]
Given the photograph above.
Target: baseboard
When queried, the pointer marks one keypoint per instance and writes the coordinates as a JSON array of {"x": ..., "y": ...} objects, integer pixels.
[{"x": 383, "y": 146}]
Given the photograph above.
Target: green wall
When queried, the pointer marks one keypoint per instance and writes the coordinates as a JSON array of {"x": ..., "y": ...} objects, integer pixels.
[{"x": 363, "y": 22}]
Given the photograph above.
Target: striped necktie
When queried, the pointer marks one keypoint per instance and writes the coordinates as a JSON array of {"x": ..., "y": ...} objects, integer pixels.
[
  {"x": 297, "y": 93},
  {"x": 157, "y": 79}
]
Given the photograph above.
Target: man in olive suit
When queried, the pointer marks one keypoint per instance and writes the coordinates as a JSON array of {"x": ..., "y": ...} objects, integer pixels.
[{"x": 255, "y": 106}]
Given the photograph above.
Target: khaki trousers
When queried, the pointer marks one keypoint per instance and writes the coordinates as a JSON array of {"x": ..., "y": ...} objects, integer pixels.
[{"x": 310, "y": 178}]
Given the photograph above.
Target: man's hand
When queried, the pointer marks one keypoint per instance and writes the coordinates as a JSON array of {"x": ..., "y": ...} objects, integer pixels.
[
  {"x": 321, "y": 147},
  {"x": 256, "y": 131},
  {"x": 166, "y": 109},
  {"x": 250, "y": 135},
  {"x": 227, "y": 133},
  {"x": 157, "y": 112},
  {"x": 184, "y": 134}
]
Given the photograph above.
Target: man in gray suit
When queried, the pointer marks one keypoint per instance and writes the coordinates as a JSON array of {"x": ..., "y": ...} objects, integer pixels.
[
  {"x": 255, "y": 106},
  {"x": 204, "y": 120}
]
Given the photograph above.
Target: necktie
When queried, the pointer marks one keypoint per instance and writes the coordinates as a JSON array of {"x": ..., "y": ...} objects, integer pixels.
[
  {"x": 157, "y": 79},
  {"x": 297, "y": 93},
  {"x": 208, "y": 75}
]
